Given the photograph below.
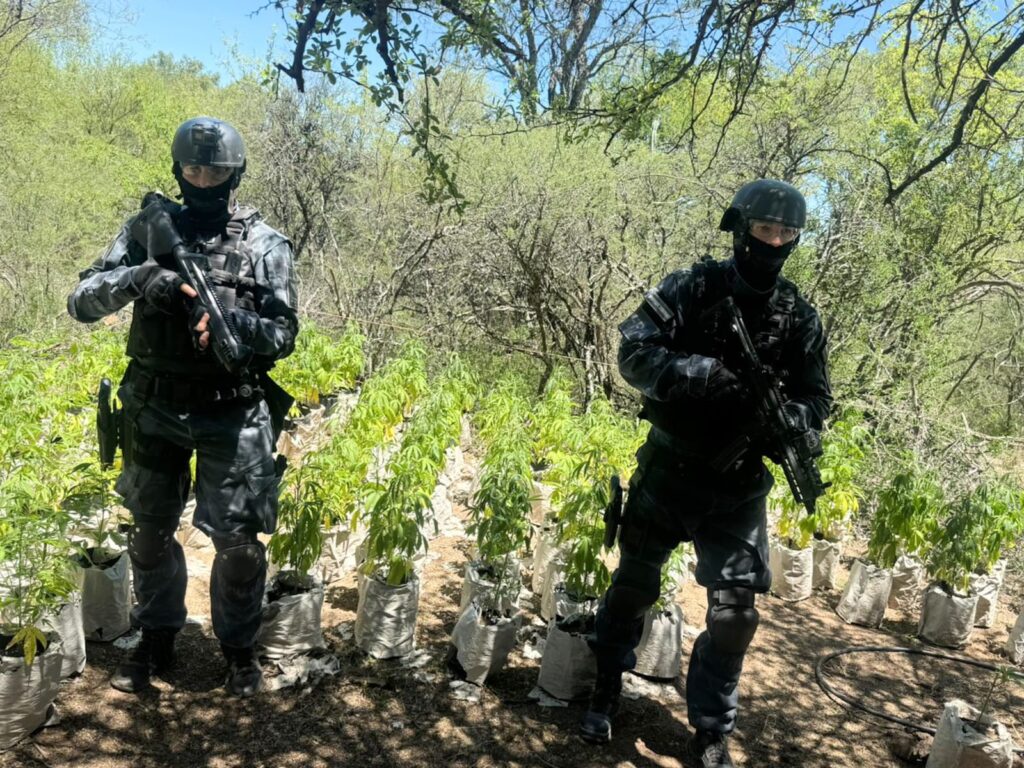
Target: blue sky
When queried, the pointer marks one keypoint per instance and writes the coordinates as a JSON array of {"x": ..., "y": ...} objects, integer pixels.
[{"x": 207, "y": 31}]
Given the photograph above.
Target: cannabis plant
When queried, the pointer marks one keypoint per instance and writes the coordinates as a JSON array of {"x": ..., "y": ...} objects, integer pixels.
[
  {"x": 499, "y": 510},
  {"x": 321, "y": 365},
  {"x": 980, "y": 525},
  {"x": 907, "y": 515},
  {"x": 399, "y": 510},
  {"x": 844, "y": 449},
  {"x": 607, "y": 446}
]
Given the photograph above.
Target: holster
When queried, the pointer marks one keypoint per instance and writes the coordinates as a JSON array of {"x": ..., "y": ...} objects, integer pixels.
[
  {"x": 613, "y": 513},
  {"x": 279, "y": 402},
  {"x": 108, "y": 417}
]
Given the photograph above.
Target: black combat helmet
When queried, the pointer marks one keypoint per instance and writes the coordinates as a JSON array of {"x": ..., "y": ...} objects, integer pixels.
[
  {"x": 767, "y": 200},
  {"x": 208, "y": 141}
]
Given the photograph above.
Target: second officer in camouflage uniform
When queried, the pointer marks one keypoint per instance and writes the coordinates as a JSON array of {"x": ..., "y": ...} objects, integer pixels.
[
  {"x": 697, "y": 407},
  {"x": 177, "y": 399}
]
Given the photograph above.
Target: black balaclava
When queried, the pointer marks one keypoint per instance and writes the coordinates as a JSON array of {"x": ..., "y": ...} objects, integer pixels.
[
  {"x": 759, "y": 263},
  {"x": 208, "y": 206}
]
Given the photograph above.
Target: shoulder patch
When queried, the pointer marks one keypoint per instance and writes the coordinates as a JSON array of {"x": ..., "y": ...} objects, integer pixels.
[{"x": 653, "y": 299}]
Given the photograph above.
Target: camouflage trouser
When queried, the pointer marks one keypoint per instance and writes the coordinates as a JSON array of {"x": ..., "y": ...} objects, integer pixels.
[
  {"x": 669, "y": 503},
  {"x": 236, "y": 495}
]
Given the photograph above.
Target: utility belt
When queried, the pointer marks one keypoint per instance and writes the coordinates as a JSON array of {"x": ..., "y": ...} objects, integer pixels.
[
  {"x": 183, "y": 392},
  {"x": 705, "y": 463}
]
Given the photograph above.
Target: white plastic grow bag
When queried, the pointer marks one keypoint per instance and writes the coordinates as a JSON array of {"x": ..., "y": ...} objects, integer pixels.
[
  {"x": 959, "y": 745},
  {"x": 987, "y": 587},
  {"x": 947, "y": 619},
  {"x": 908, "y": 582},
  {"x": 479, "y": 584},
  {"x": 544, "y": 553},
  {"x": 67, "y": 623},
  {"x": 826, "y": 563},
  {"x": 482, "y": 647},
  {"x": 26, "y": 693},
  {"x": 866, "y": 595},
  {"x": 660, "y": 652},
  {"x": 339, "y": 554},
  {"x": 107, "y": 598},
  {"x": 386, "y": 617},
  {"x": 552, "y": 582},
  {"x": 568, "y": 669},
  {"x": 792, "y": 572},
  {"x": 291, "y": 623},
  {"x": 1015, "y": 644},
  {"x": 540, "y": 503}
]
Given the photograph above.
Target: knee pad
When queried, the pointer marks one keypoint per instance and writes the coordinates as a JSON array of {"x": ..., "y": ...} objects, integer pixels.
[
  {"x": 149, "y": 545},
  {"x": 240, "y": 562},
  {"x": 732, "y": 619}
]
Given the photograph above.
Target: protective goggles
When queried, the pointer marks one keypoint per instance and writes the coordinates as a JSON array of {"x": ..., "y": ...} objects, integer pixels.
[
  {"x": 767, "y": 231},
  {"x": 206, "y": 175}
]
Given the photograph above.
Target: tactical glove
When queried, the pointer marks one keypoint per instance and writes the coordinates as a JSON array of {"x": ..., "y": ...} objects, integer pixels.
[
  {"x": 195, "y": 315},
  {"x": 798, "y": 416},
  {"x": 798, "y": 419},
  {"x": 158, "y": 286},
  {"x": 705, "y": 378}
]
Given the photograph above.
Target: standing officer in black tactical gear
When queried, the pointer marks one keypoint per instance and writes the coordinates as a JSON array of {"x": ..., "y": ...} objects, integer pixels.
[
  {"x": 697, "y": 407},
  {"x": 178, "y": 399}
]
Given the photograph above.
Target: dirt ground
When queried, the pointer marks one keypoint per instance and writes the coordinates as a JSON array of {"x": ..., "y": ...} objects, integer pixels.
[{"x": 384, "y": 714}]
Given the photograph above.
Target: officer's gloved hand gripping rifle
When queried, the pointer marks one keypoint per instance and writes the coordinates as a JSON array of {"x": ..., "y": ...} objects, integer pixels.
[
  {"x": 154, "y": 229},
  {"x": 793, "y": 448}
]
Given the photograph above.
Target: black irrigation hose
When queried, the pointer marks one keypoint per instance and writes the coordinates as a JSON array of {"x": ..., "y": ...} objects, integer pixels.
[{"x": 857, "y": 704}]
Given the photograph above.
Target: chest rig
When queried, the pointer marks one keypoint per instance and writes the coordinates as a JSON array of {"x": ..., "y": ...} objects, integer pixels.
[
  {"x": 230, "y": 261},
  {"x": 164, "y": 342},
  {"x": 769, "y": 322}
]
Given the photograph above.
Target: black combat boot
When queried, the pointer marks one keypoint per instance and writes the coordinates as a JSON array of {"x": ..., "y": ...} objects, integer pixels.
[
  {"x": 154, "y": 655},
  {"x": 245, "y": 678},
  {"x": 604, "y": 704},
  {"x": 711, "y": 749}
]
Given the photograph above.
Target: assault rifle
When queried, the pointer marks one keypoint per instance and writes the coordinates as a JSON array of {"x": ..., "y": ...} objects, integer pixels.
[
  {"x": 154, "y": 229},
  {"x": 795, "y": 450}
]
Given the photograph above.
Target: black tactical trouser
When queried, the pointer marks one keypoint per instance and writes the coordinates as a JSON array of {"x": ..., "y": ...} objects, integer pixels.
[
  {"x": 669, "y": 502},
  {"x": 236, "y": 495}
]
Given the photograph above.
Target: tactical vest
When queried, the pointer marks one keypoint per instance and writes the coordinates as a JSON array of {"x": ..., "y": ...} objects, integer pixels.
[
  {"x": 697, "y": 426},
  {"x": 164, "y": 343}
]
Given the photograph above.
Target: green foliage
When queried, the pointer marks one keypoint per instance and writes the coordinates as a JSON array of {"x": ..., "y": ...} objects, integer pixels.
[
  {"x": 321, "y": 365},
  {"x": 796, "y": 527},
  {"x": 906, "y": 519},
  {"x": 399, "y": 510},
  {"x": 553, "y": 424},
  {"x": 981, "y": 524},
  {"x": 326, "y": 488},
  {"x": 35, "y": 552},
  {"x": 606, "y": 445},
  {"x": 302, "y": 510},
  {"x": 499, "y": 510},
  {"x": 52, "y": 491},
  {"x": 844, "y": 446}
]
